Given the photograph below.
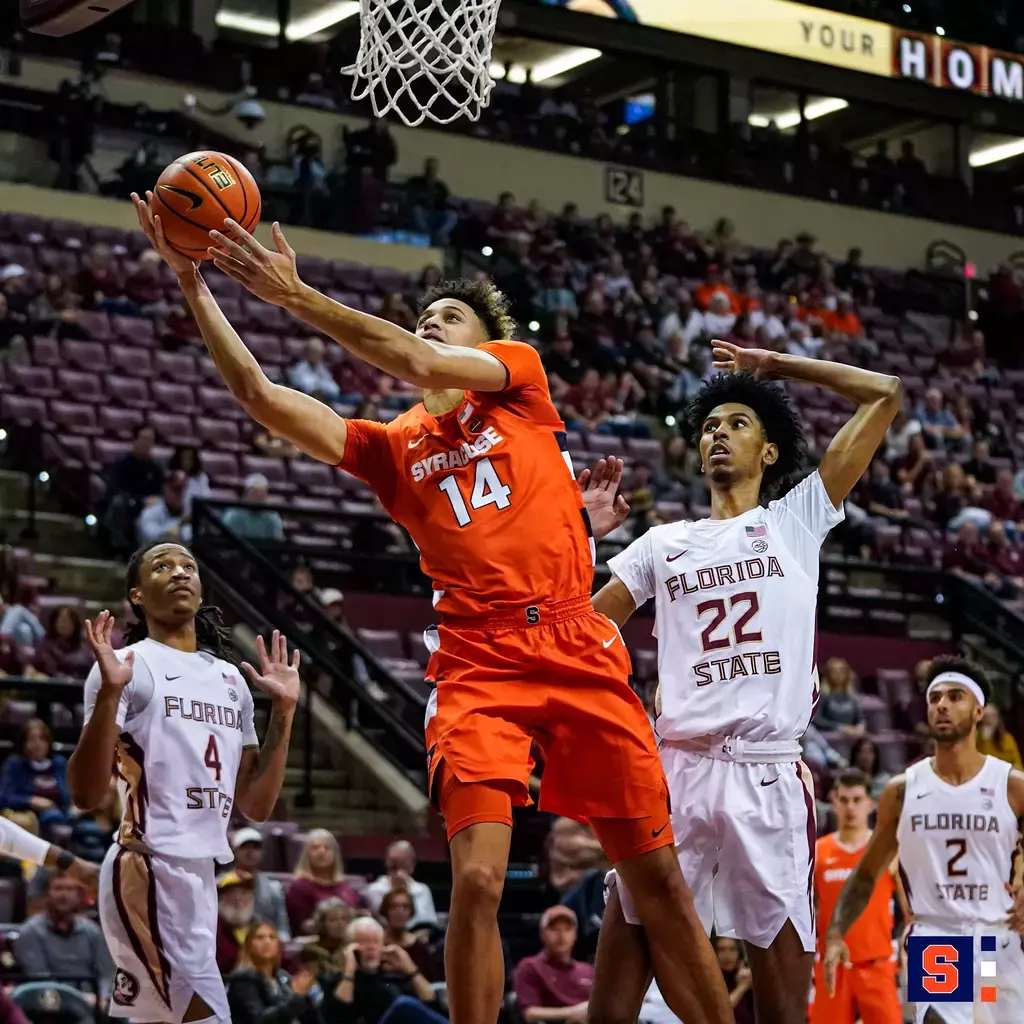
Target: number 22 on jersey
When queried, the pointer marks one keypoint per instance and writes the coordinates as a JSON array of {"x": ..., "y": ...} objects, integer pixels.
[{"x": 487, "y": 490}]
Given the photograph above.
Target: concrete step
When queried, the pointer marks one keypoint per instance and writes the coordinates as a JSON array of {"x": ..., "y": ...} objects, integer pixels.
[
  {"x": 355, "y": 822},
  {"x": 99, "y": 579},
  {"x": 55, "y": 532}
]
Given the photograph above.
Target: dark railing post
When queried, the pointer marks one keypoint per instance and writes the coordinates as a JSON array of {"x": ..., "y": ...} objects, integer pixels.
[{"x": 305, "y": 798}]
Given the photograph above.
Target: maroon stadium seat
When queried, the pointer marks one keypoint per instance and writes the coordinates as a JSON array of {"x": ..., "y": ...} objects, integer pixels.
[
  {"x": 17, "y": 712},
  {"x": 176, "y": 397},
  {"x": 46, "y": 351},
  {"x": 208, "y": 371},
  {"x": 80, "y": 386},
  {"x": 32, "y": 380},
  {"x": 106, "y": 451},
  {"x": 265, "y": 347},
  {"x": 134, "y": 330},
  {"x": 264, "y": 317},
  {"x": 273, "y": 469},
  {"x": 131, "y": 360},
  {"x": 220, "y": 402},
  {"x": 605, "y": 444},
  {"x": 75, "y": 417},
  {"x": 221, "y": 468},
  {"x": 179, "y": 367},
  {"x": 76, "y": 449},
  {"x": 21, "y": 408},
  {"x": 223, "y": 434},
  {"x": 385, "y": 643},
  {"x": 314, "y": 477},
  {"x": 118, "y": 421},
  {"x": 85, "y": 355},
  {"x": 95, "y": 324},
  {"x": 173, "y": 428}
]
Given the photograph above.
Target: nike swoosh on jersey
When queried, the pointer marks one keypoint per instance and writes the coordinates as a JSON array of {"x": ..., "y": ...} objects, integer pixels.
[
  {"x": 414, "y": 444},
  {"x": 921, "y": 796},
  {"x": 657, "y": 832},
  {"x": 608, "y": 643},
  {"x": 194, "y": 198},
  {"x": 771, "y": 782},
  {"x": 672, "y": 558},
  {"x": 171, "y": 679}
]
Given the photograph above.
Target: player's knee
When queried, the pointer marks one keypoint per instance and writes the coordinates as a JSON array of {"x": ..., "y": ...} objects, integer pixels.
[
  {"x": 479, "y": 883},
  {"x": 655, "y": 881}
]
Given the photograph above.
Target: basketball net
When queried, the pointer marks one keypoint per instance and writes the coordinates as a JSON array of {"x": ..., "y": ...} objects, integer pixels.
[{"x": 425, "y": 62}]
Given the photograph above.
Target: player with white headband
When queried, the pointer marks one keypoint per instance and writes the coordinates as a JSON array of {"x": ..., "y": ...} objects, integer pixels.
[{"x": 954, "y": 821}]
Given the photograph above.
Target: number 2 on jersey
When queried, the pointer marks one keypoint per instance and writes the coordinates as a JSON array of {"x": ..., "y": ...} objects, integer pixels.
[
  {"x": 740, "y": 634},
  {"x": 960, "y": 845},
  {"x": 487, "y": 490},
  {"x": 212, "y": 757}
]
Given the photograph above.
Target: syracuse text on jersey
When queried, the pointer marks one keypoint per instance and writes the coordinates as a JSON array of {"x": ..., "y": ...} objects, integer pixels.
[{"x": 455, "y": 458}]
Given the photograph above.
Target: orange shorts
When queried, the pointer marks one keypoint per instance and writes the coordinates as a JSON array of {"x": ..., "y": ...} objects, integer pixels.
[
  {"x": 865, "y": 991},
  {"x": 562, "y": 681}
]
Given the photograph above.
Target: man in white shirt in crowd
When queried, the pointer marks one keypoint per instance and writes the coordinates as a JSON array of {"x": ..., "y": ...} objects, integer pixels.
[
  {"x": 400, "y": 862},
  {"x": 165, "y": 518},
  {"x": 313, "y": 376},
  {"x": 267, "y": 893},
  {"x": 719, "y": 318}
]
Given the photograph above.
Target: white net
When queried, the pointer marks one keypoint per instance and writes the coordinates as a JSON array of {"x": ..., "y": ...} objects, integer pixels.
[{"x": 425, "y": 58}]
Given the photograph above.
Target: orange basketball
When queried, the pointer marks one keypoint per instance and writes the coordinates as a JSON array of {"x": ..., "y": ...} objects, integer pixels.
[{"x": 196, "y": 193}]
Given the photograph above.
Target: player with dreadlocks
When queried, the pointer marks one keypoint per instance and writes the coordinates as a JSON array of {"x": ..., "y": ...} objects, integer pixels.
[
  {"x": 173, "y": 715},
  {"x": 480, "y": 476},
  {"x": 735, "y": 598}
]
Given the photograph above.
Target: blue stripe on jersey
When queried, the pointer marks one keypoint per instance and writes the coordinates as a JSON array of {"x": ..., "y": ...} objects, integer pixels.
[{"x": 563, "y": 440}]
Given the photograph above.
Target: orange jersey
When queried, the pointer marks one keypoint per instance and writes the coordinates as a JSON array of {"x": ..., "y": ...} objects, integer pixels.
[
  {"x": 870, "y": 938},
  {"x": 486, "y": 492}
]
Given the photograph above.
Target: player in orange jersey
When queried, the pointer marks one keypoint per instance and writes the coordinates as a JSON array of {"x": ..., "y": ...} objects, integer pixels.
[
  {"x": 480, "y": 476},
  {"x": 866, "y": 986}
]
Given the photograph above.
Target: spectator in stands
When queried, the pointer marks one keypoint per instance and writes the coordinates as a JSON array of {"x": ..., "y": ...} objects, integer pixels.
[
  {"x": 505, "y": 221},
  {"x": 563, "y": 365},
  {"x": 1004, "y": 556},
  {"x": 818, "y": 752},
  {"x": 844, "y": 322},
  {"x": 910, "y": 166},
  {"x": 839, "y": 708},
  {"x": 432, "y": 212},
  {"x": 319, "y": 875},
  {"x": 377, "y": 979},
  {"x": 556, "y": 296},
  {"x": 372, "y": 147},
  {"x": 145, "y": 287},
  {"x": 852, "y": 277},
  {"x": 330, "y": 926},
  {"x": 187, "y": 459},
  {"x": 255, "y": 523},
  {"x": 584, "y": 407},
  {"x": 234, "y": 917},
  {"x": 965, "y": 554},
  {"x": 912, "y": 469},
  {"x": 396, "y": 911},
  {"x": 897, "y": 438},
  {"x": 865, "y": 758},
  {"x": 259, "y": 992},
  {"x": 101, "y": 283},
  {"x": 60, "y": 944},
  {"x": 166, "y": 518},
  {"x": 33, "y": 782},
  {"x": 396, "y": 310},
  {"x": 952, "y": 494},
  {"x": 737, "y": 979},
  {"x": 719, "y": 319},
  {"x": 21, "y": 620},
  {"x": 93, "y": 831},
  {"x": 572, "y": 850},
  {"x": 979, "y": 465},
  {"x": 400, "y": 863},
  {"x": 46, "y": 308},
  {"x": 879, "y": 495},
  {"x": 551, "y": 985},
  {"x": 1000, "y": 499},
  {"x": 804, "y": 260},
  {"x": 267, "y": 893},
  {"x": 131, "y": 479},
  {"x": 63, "y": 650},
  {"x": 941, "y": 427},
  {"x": 313, "y": 376},
  {"x": 995, "y": 739}
]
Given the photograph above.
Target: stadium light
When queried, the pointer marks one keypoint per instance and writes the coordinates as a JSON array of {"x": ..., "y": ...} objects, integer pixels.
[
  {"x": 670, "y": 420},
  {"x": 486, "y": 251},
  {"x": 562, "y": 62},
  {"x": 534, "y": 325},
  {"x": 791, "y": 118},
  {"x": 939, "y": 30},
  {"x": 3, "y": 434},
  {"x": 993, "y": 154},
  {"x": 44, "y": 477},
  {"x": 972, "y": 315},
  {"x": 90, "y": 520},
  {"x": 300, "y": 28},
  {"x": 907, "y": 9}
]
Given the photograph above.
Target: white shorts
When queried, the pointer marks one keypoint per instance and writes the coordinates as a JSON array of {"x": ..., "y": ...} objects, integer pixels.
[
  {"x": 745, "y": 836},
  {"x": 1009, "y": 980},
  {"x": 159, "y": 917}
]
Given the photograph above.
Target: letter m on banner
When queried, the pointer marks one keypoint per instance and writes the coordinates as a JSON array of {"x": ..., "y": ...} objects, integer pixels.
[{"x": 940, "y": 969}]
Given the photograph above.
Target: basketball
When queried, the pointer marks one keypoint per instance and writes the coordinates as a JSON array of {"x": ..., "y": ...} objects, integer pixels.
[{"x": 195, "y": 193}]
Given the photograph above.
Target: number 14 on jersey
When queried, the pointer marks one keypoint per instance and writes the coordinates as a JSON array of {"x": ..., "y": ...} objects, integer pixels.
[{"x": 487, "y": 490}]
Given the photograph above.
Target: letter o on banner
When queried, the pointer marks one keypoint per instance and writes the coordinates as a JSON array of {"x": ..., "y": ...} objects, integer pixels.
[{"x": 960, "y": 69}]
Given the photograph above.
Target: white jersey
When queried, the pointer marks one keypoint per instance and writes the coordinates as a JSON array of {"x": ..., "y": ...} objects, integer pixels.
[
  {"x": 184, "y": 720},
  {"x": 958, "y": 846},
  {"x": 735, "y": 605}
]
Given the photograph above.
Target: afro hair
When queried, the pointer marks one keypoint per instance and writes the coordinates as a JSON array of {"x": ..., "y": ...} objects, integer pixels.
[
  {"x": 483, "y": 297},
  {"x": 966, "y": 667},
  {"x": 772, "y": 407}
]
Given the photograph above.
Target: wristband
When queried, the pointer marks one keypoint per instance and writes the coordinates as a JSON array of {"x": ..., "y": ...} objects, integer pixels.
[
  {"x": 65, "y": 859},
  {"x": 348, "y": 977}
]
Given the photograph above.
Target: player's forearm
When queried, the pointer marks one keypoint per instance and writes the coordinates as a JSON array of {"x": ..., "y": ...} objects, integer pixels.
[
  {"x": 92, "y": 762},
  {"x": 853, "y": 899},
  {"x": 19, "y": 844},
  {"x": 855, "y": 384},
  {"x": 258, "y": 794},
  {"x": 235, "y": 363},
  {"x": 378, "y": 342}
]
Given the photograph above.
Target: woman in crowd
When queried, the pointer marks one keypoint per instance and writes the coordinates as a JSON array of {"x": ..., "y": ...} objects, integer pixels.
[
  {"x": 186, "y": 458},
  {"x": 864, "y": 756},
  {"x": 330, "y": 921},
  {"x": 63, "y": 650},
  {"x": 396, "y": 911},
  {"x": 913, "y": 467},
  {"x": 259, "y": 992},
  {"x": 319, "y": 876},
  {"x": 21, "y": 620},
  {"x": 33, "y": 782},
  {"x": 995, "y": 739},
  {"x": 840, "y": 706},
  {"x": 737, "y": 979}
]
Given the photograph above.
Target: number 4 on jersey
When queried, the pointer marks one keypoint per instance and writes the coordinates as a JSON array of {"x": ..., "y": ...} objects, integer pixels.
[
  {"x": 212, "y": 758},
  {"x": 487, "y": 490}
]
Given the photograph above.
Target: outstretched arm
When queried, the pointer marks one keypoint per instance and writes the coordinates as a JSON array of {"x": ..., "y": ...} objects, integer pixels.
[
  {"x": 856, "y": 893},
  {"x": 876, "y": 395},
  {"x": 301, "y": 419},
  {"x": 273, "y": 277}
]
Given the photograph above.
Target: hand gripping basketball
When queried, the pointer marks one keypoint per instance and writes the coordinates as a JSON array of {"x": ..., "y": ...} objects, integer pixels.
[{"x": 153, "y": 229}]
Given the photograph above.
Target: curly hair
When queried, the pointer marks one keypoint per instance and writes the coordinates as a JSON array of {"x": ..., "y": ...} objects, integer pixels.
[
  {"x": 779, "y": 420},
  {"x": 211, "y": 633},
  {"x": 483, "y": 297},
  {"x": 956, "y": 663}
]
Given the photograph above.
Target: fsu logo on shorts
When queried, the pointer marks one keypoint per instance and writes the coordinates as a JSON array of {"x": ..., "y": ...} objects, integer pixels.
[{"x": 126, "y": 988}]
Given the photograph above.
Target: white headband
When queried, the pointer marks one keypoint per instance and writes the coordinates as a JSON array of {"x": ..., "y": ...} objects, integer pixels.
[{"x": 957, "y": 679}]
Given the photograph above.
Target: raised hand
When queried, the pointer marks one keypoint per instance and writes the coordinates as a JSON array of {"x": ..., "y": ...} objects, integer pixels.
[
  {"x": 270, "y": 275},
  {"x": 605, "y": 506},
  {"x": 276, "y": 676},
  {"x": 114, "y": 672},
  {"x": 153, "y": 227},
  {"x": 729, "y": 357}
]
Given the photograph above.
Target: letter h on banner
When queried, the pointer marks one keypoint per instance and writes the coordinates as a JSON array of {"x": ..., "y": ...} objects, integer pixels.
[{"x": 940, "y": 969}]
